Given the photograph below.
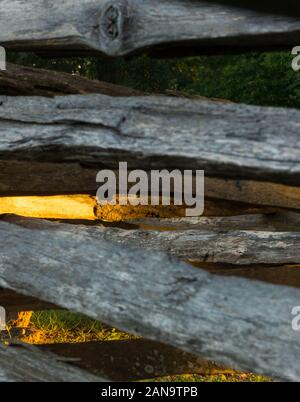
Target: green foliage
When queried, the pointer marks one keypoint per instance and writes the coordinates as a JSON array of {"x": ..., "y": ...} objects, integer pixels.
[{"x": 253, "y": 78}]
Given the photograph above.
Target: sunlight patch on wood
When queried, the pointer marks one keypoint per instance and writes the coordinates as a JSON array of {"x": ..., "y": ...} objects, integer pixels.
[
  {"x": 50, "y": 207},
  {"x": 85, "y": 207},
  {"x": 81, "y": 207}
]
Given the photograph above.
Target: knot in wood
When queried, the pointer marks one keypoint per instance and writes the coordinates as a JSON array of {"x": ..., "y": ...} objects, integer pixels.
[{"x": 111, "y": 21}]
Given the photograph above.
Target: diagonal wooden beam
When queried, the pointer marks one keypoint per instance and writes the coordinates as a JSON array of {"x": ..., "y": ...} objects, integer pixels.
[{"x": 242, "y": 324}]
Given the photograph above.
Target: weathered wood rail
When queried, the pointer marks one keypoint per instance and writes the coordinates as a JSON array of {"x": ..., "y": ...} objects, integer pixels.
[
  {"x": 130, "y": 276},
  {"x": 226, "y": 140},
  {"x": 179, "y": 304},
  {"x": 122, "y": 27}
]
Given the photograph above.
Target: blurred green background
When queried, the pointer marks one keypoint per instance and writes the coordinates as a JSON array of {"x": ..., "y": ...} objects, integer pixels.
[{"x": 253, "y": 78}]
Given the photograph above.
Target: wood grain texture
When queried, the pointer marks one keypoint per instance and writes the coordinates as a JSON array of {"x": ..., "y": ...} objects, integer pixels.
[
  {"x": 240, "y": 323},
  {"x": 20, "y": 364},
  {"x": 235, "y": 141},
  {"x": 239, "y": 247},
  {"x": 132, "y": 360},
  {"x": 238, "y": 240},
  {"x": 277, "y": 222},
  {"x": 121, "y": 27}
]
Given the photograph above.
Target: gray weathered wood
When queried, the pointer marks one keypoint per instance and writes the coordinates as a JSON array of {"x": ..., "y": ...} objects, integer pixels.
[
  {"x": 280, "y": 221},
  {"x": 239, "y": 323},
  {"x": 20, "y": 364},
  {"x": 238, "y": 247},
  {"x": 120, "y": 27},
  {"x": 235, "y": 141}
]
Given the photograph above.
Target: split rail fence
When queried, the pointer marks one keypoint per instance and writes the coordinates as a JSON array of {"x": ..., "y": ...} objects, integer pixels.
[{"x": 217, "y": 288}]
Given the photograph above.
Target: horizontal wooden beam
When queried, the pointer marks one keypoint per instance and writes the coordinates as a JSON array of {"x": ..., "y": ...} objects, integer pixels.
[
  {"x": 226, "y": 140},
  {"x": 239, "y": 247},
  {"x": 132, "y": 360},
  {"x": 21, "y": 364},
  {"x": 242, "y": 324},
  {"x": 122, "y": 27},
  {"x": 238, "y": 241},
  {"x": 277, "y": 222}
]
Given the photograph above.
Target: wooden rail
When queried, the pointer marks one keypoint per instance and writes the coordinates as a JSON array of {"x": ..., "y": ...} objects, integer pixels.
[
  {"x": 122, "y": 27},
  {"x": 177, "y": 304},
  {"x": 227, "y": 140}
]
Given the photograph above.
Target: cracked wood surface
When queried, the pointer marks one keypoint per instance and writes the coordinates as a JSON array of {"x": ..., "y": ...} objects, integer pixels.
[
  {"x": 280, "y": 221},
  {"x": 28, "y": 364},
  {"x": 121, "y": 27},
  {"x": 238, "y": 247},
  {"x": 240, "y": 323},
  {"x": 226, "y": 140}
]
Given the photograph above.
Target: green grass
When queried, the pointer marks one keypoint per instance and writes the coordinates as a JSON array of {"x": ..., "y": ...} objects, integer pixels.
[
  {"x": 213, "y": 378},
  {"x": 59, "y": 326},
  {"x": 65, "y": 327}
]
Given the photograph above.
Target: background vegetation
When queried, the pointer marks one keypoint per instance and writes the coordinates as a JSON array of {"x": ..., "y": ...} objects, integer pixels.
[{"x": 253, "y": 78}]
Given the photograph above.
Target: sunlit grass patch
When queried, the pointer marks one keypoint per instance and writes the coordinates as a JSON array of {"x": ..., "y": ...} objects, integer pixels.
[
  {"x": 227, "y": 377},
  {"x": 60, "y": 326},
  {"x": 55, "y": 326}
]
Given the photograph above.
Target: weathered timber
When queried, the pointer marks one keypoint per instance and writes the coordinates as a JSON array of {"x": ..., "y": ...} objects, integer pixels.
[
  {"x": 14, "y": 302},
  {"x": 21, "y": 80},
  {"x": 277, "y": 222},
  {"x": 28, "y": 178},
  {"x": 20, "y": 364},
  {"x": 131, "y": 360},
  {"x": 121, "y": 27},
  {"x": 226, "y": 140},
  {"x": 210, "y": 241},
  {"x": 237, "y": 247},
  {"x": 242, "y": 324}
]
